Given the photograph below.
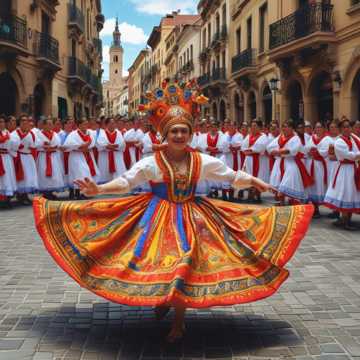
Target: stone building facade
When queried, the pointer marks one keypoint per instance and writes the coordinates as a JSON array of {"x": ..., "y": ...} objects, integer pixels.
[
  {"x": 296, "y": 59},
  {"x": 50, "y": 57}
]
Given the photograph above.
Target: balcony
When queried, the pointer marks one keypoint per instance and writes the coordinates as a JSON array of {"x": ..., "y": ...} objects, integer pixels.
[
  {"x": 244, "y": 63},
  {"x": 100, "y": 21},
  {"x": 308, "y": 27},
  {"x": 224, "y": 32},
  {"x": 219, "y": 74},
  {"x": 13, "y": 36},
  {"x": 98, "y": 46},
  {"x": 216, "y": 40},
  {"x": 46, "y": 50},
  {"x": 204, "y": 80},
  {"x": 81, "y": 76},
  {"x": 76, "y": 19}
]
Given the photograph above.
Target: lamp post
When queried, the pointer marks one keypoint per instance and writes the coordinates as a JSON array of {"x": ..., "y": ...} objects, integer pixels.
[{"x": 274, "y": 88}]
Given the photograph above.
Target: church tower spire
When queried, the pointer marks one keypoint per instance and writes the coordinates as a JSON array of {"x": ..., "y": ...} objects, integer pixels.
[
  {"x": 116, "y": 58},
  {"x": 116, "y": 35}
]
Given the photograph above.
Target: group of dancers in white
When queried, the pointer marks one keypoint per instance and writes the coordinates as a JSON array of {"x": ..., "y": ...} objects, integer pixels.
[{"x": 302, "y": 163}]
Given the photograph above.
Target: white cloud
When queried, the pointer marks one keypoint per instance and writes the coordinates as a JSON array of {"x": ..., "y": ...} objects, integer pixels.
[
  {"x": 162, "y": 7},
  {"x": 130, "y": 34},
  {"x": 106, "y": 54}
]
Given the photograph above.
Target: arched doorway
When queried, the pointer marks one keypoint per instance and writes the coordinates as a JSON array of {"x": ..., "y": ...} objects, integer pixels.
[
  {"x": 8, "y": 94},
  {"x": 296, "y": 103},
  {"x": 252, "y": 106},
  {"x": 222, "y": 110},
  {"x": 39, "y": 101},
  {"x": 355, "y": 98},
  {"x": 267, "y": 105},
  {"x": 322, "y": 94},
  {"x": 214, "y": 111},
  {"x": 239, "y": 108}
]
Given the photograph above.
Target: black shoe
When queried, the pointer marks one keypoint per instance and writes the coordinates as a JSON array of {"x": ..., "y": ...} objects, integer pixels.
[
  {"x": 334, "y": 215},
  {"x": 71, "y": 194}
]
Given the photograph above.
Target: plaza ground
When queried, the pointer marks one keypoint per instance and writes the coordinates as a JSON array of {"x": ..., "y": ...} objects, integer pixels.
[{"x": 45, "y": 315}]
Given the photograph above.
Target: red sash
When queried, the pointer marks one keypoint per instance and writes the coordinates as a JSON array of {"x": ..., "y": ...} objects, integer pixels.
[
  {"x": 48, "y": 171},
  {"x": 111, "y": 154},
  {"x": 127, "y": 157},
  {"x": 282, "y": 141},
  {"x": 19, "y": 169},
  {"x": 256, "y": 156},
  {"x": 317, "y": 157},
  {"x": 307, "y": 179},
  {"x": 86, "y": 138},
  {"x": 351, "y": 162},
  {"x": 66, "y": 162},
  {"x": 154, "y": 139},
  {"x": 212, "y": 142},
  {"x": 3, "y": 138}
]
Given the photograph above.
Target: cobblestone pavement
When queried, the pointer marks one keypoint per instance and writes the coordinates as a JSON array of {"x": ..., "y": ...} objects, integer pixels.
[{"x": 45, "y": 315}]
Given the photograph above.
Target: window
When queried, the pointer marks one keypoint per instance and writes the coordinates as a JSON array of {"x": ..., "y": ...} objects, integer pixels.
[
  {"x": 116, "y": 59},
  {"x": 262, "y": 25},
  {"x": 116, "y": 71},
  {"x": 191, "y": 52},
  {"x": 73, "y": 48},
  {"x": 238, "y": 40},
  {"x": 209, "y": 34},
  {"x": 204, "y": 40},
  {"x": 224, "y": 15},
  {"x": 249, "y": 33}
]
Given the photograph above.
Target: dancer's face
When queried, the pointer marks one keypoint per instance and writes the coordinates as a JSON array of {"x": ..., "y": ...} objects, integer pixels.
[{"x": 178, "y": 137}]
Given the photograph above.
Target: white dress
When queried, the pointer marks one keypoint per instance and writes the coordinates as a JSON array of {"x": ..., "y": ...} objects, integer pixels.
[
  {"x": 291, "y": 183},
  {"x": 342, "y": 193},
  {"x": 259, "y": 147},
  {"x": 222, "y": 144},
  {"x": 324, "y": 150},
  {"x": 65, "y": 157},
  {"x": 55, "y": 181},
  {"x": 147, "y": 144},
  {"x": 7, "y": 154},
  {"x": 79, "y": 168},
  {"x": 24, "y": 143},
  {"x": 106, "y": 173},
  {"x": 318, "y": 169},
  {"x": 133, "y": 135}
]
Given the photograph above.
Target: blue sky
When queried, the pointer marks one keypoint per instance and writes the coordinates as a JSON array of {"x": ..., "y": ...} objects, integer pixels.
[{"x": 136, "y": 19}]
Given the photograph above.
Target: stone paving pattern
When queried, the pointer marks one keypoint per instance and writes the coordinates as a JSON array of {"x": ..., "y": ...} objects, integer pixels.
[{"x": 45, "y": 315}]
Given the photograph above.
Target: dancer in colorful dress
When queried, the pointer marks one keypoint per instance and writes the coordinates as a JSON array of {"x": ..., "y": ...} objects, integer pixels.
[{"x": 169, "y": 248}]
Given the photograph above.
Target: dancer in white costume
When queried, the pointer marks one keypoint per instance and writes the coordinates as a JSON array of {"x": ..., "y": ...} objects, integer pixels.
[
  {"x": 81, "y": 159},
  {"x": 24, "y": 141},
  {"x": 49, "y": 161},
  {"x": 111, "y": 146},
  {"x": 151, "y": 141},
  {"x": 133, "y": 138},
  {"x": 289, "y": 175},
  {"x": 7, "y": 170},
  {"x": 318, "y": 167},
  {"x": 256, "y": 162},
  {"x": 343, "y": 194}
]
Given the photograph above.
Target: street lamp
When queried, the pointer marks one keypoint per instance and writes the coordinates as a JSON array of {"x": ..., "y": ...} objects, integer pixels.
[{"x": 274, "y": 88}]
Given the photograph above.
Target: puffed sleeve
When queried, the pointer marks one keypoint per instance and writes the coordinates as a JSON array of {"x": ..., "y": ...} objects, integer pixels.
[
  {"x": 215, "y": 170},
  {"x": 342, "y": 151},
  {"x": 142, "y": 172}
]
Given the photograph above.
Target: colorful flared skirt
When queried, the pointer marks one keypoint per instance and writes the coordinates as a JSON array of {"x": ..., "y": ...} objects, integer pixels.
[{"x": 144, "y": 250}]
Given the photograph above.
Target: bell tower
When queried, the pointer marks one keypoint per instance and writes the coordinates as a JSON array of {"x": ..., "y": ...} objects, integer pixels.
[{"x": 116, "y": 57}]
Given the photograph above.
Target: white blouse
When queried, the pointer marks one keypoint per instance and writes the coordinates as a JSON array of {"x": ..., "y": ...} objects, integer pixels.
[{"x": 212, "y": 169}]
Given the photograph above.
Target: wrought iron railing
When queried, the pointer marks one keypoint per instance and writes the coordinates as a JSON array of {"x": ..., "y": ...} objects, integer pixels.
[
  {"x": 76, "y": 16},
  {"x": 46, "y": 47},
  {"x": 303, "y": 22},
  {"x": 218, "y": 74},
  {"x": 246, "y": 58},
  {"x": 203, "y": 79},
  {"x": 13, "y": 30},
  {"x": 215, "y": 39}
]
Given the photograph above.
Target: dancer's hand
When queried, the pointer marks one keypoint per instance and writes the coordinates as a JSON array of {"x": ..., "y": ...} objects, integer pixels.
[
  {"x": 261, "y": 185},
  {"x": 88, "y": 187}
]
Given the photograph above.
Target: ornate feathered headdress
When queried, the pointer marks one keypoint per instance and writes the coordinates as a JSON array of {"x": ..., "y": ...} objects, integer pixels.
[{"x": 173, "y": 104}]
